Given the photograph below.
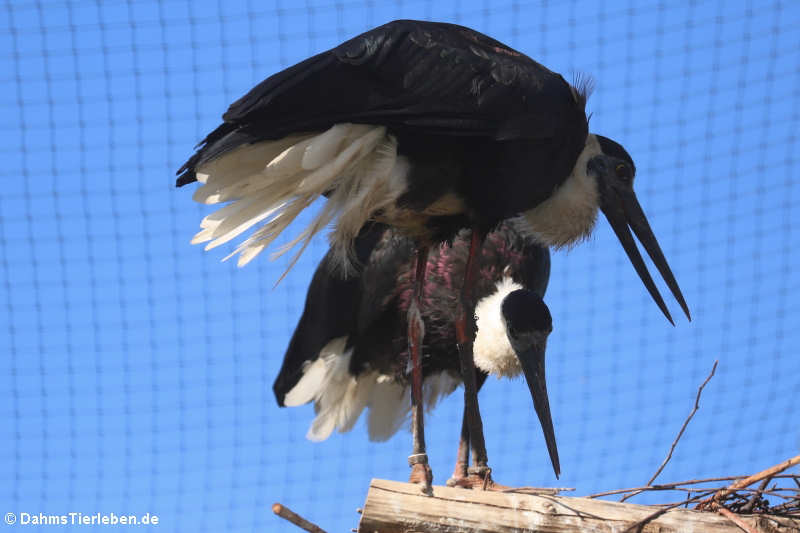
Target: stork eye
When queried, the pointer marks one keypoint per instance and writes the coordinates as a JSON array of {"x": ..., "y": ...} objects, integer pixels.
[{"x": 622, "y": 171}]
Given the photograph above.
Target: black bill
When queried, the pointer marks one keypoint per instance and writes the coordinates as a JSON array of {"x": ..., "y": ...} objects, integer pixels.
[
  {"x": 624, "y": 213},
  {"x": 533, "y": 366}
]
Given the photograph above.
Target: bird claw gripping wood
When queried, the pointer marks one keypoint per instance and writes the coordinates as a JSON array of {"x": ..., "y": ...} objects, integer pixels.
[
  {"x": 421, "y": 472},
  {"x": 483, "y": 472}
]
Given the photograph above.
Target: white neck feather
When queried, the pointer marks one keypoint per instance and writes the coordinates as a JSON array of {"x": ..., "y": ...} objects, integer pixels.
[
  {"x": 570, "y": 213},
  {"x": 492, "y": 349}
]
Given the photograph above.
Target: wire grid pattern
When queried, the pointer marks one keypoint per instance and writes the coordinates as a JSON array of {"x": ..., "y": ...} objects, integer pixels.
[{"x": 136, "y": 371}]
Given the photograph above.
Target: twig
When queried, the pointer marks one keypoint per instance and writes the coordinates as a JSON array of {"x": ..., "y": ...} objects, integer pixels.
[
  {"x": 678, "y": 485},
  {"x": 639, "y": 526},
  {"x": 554, "y": 491},
  {"x": 769, "y": 472},
  {"x": 791, "y": 508},
  {"x": 699, "y": 495},
  {"x": 750, "y": 505},
  {"x": 296, "y": 519},
  {"x": 680, "y": 433},
  {"x": 736, "y": 520},
  {"x": 742, "y": 483},
  {"x": 668, "y": 486},
  {"x": 685, "y": 423},
  {"x": 654, "y": 488},
  {"x": 776, "y": 493},
  {"x": 664, "y": 486}
]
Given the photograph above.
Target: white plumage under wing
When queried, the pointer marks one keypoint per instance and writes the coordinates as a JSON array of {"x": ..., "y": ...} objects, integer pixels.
[
  {"x": 340, "y": 398},
  {"x": 356, "y": 165}
]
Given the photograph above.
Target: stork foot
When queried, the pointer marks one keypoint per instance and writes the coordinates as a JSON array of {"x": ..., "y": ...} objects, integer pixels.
[
  {"x": 421, "y": 473},
  {"x": 459, "y": 477},
  {"x": 478, "y": 478}
]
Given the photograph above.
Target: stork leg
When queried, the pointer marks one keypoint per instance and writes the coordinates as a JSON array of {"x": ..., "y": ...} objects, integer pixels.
[
  {"x": 418, "y": 460},
  {"x": 459, "y": 477},
  {"x": 478, "y": 475}
]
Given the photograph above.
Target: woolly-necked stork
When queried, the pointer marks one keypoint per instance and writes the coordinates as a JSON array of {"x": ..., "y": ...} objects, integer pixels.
[
  {"x": 349, "y": 351},
  {"x": 429, "y": 128}
]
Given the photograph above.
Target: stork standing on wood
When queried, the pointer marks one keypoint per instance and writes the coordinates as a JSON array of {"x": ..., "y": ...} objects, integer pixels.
[
  {"x": 349, "y": 351},
  {"x": 429, "y": 128}
]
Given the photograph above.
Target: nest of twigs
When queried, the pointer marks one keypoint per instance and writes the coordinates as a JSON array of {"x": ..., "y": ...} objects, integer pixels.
[
  {"x": 769, "y": 492},
  {"x": 777, "y": 500}
]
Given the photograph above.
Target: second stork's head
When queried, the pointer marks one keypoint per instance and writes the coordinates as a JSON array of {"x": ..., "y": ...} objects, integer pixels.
[
  {"x": 528, "y": 323},
  {"x": 513, "y": 326}
]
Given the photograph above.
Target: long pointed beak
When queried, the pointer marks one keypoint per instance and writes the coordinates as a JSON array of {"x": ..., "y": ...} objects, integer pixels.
[
  {"x": 626, "y": 214},
  {"x": 533, "y": 366}
]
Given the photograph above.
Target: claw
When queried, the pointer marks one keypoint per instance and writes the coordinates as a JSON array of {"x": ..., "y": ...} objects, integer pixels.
[{"x": 422, "y": 474}]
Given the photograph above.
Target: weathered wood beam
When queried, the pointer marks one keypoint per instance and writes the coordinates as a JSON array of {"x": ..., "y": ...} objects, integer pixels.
[{"x": 395, "y": 507}]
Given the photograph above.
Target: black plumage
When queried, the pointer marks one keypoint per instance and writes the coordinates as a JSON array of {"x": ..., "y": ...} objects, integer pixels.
[
  {"x": 429, "y": 128},
  {"x": 487, "y": 131},
  {"x": 370, "y": 310},
  {"x": 485, "y": 109}
]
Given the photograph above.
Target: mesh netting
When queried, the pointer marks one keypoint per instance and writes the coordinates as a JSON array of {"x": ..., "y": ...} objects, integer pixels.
[{"x": 136, "y": 372}]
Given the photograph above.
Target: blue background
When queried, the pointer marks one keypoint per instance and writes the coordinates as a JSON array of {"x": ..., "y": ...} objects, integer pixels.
[{"x": 136, "y": 369}]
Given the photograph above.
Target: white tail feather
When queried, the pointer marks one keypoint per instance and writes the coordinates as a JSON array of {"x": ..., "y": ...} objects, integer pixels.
[
  {"x": 356, "y": 165},
  {"x": 390, "y": 404},
  {"x": 242, "y": 161},
  {"x": 237, "y": 223},
  {"x": 327, "y": 145},
  {"x": 389, "y": 408},
  {"x": 307, "y": 389},
  {"x": 436, "y": 387},
  {"x": 289, "y": 162},
  {"x": 215, "y": 219},
  {"x": 331, "y": 365},
  {"x": 340, "y": 398}
]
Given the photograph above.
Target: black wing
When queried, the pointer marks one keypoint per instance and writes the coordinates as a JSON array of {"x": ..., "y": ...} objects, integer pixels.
[
  {"x": 330, "y": 311},
  {"x": 430, "y": 76},
  {"x": 533, "y": 270}
]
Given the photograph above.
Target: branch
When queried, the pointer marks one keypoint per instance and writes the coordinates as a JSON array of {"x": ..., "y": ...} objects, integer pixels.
[
  {"x": 638, "y": 527},
  {"x": 680, "y": 433},
  {"x": 296, "y": 519},
  {"x": 742, "y": 483},
  {"x": 756, "y": 497},
  {"x": 733, "y": 517}
]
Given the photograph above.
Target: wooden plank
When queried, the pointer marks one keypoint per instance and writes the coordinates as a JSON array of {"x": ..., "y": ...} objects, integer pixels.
[{"x": 395, "y": 507}]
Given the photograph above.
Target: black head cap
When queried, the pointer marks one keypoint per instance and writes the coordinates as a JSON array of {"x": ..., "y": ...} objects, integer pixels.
[
  {"x": 614, "y": 149},
  {"x": 524, "y": 311}
]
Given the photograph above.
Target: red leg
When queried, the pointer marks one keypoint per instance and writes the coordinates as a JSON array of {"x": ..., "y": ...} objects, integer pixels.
[
  {"x": 479, "y": 475},
  {"x": 459, "y": 478},
  {"x": 420, "y": 470}
]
